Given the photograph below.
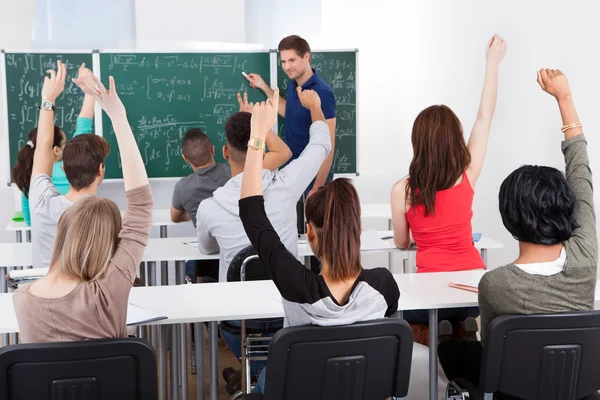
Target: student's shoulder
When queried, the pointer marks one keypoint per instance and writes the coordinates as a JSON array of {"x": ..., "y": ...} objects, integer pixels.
[
  {"x": 378, "y": 277},
  {"x": 497, "y": 280}
]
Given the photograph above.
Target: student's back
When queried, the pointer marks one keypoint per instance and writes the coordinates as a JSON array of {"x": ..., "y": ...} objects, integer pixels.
[
  {"x": 96, "y": 255},
  {"x": 435, "y": 203},
  {"x": 447, "y": 232}
]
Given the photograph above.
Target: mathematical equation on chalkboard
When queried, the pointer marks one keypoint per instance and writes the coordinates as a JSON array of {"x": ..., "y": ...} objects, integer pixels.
[{"x": 24, "y": 82}]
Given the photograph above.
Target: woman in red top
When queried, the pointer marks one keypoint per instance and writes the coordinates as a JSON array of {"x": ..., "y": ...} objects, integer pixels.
[{"x": 435, "y": 203}]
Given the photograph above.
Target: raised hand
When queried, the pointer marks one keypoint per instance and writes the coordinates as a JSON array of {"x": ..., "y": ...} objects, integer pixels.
[
  {"x": 554, "y": 82},
  {"x": 108, "y": 99},
  {"x": 55, "y": 83},
  {"x": 264, "y": 116},
  {"x": 244, "y": 105},
  {"x": 496, "y": 49},
  {"x": 309, "y": 98}
]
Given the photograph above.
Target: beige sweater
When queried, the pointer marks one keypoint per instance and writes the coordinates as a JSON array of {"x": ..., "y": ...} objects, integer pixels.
[
  {"x": 95, "y": 309},
  {"x": 510, "y": 290}
]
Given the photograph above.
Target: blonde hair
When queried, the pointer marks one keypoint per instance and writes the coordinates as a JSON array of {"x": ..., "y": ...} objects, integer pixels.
[{"x": 86, "y": 238}]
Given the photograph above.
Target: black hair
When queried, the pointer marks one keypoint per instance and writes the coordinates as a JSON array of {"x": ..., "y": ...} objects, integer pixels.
[
  {"x": 537, "y": 204},
  {"x": 197, "y": 147},
  {"x": 237, "y": 131}
]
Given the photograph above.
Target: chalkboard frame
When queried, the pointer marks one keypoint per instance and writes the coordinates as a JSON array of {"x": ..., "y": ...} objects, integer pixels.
[
  {"x": 356, "y": 117},
  {"x": 98, "y": 128},
  {"x": 4, "y": 94}
]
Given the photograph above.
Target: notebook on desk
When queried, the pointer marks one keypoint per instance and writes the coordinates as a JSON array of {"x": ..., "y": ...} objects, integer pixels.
[{"x": 138, "y": 315}]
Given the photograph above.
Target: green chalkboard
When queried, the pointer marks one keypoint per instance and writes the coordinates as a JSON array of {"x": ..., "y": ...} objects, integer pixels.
[
  {"x": 24, "y": 80},
  {"x": 338, "y": 69},
  {"x": 166, "y": 94}
]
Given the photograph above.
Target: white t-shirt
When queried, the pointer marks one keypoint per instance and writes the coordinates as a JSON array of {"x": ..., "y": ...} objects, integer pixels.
[{"x": 46, "y": 206}]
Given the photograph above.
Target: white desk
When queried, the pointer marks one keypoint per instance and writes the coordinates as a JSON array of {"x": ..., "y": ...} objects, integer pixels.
[{"x": 248, "y": 300}]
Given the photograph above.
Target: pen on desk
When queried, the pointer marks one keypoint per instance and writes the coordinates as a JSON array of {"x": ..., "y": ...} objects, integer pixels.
[{"x": 387, "y": 237}]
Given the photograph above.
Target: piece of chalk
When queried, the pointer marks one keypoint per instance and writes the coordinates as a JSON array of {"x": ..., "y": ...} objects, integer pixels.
[{"x": 245, "y": 74}]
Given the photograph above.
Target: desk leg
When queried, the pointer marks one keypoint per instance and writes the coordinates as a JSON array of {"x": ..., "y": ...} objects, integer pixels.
[
  {"x": 484, "y": 256},
  {"x": 199, "y": 341},
  {"x": 174, "y": 362},
  {"x": 28, "y": 236},
  {"x": 3, "y": 289},
  {"x": 19, "y": 237},
  {"x": 162, "y": 361},
  {"x": 433, "y": 364},
  {"x": 183, "y": 371},
  {"x": 214, "y": 361},
  {"x": 163, "y": 231}
]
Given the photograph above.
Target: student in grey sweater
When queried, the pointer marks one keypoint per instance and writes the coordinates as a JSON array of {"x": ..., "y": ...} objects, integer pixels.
[{"x": 552, "y": 216}]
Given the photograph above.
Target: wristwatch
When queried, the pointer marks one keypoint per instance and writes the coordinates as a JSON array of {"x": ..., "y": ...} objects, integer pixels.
[
  {"x": 47, "y": 105},
  {"x": 256, "y": 143}
]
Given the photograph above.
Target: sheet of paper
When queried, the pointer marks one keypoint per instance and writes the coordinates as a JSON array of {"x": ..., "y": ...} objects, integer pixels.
[
  {"x": 139, "y": 315},
  {"x": 370, "y": 240},
  {"x": 193, "y": 244}
]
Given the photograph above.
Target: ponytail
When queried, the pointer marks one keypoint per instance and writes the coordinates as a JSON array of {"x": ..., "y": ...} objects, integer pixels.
[
  {"x": 21, "y": 173},
  {"x": 334, "y": 212}
]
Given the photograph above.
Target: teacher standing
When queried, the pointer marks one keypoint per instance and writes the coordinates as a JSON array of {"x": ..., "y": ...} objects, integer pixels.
[{"x": 295, "y": 57}]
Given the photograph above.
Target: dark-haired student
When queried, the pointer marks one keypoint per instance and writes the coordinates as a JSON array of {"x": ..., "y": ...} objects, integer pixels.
[
  {"x": 344, "y": 292},
  {"x": 22, "y": 170},
  {"x": 552, "y": 216},
  {"x": 434, "y": 206},
  {"x": 83, "y": 163},
  {"x": 199, "y": 153}
]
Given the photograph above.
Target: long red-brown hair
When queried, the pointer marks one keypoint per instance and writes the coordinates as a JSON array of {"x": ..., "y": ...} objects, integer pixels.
[
  {"x": 334, "y": 212},
  {"x": 440, "y": 155}
]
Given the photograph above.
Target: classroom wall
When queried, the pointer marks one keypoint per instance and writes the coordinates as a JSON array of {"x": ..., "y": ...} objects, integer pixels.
[
  {"x": 414, "y": 54},
  {"x": 16, "y": 30}
]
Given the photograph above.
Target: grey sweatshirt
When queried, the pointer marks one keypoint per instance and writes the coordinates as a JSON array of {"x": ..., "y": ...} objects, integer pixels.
[
  {"x": 510, "y": 290},
  {"x": 219, "y": 227}
]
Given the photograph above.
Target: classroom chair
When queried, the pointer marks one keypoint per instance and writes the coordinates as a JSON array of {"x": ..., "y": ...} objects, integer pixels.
[
  {"x": 366, "y": 360},
  {"x": 246, "y": 266},
  {"x": 531, "y": 357},
  {"x": 116, "y": 369}
]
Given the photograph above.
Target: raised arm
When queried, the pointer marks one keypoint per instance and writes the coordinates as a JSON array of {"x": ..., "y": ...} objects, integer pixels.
[
  {"x": 43, "y": 157},
  {"x": 279, "y": 152},
  {"x": 85, "y": 121},
  {"x": 256, "y": 81},
  {"x": 480, "y": 134},
  {"x": 134, "y": 172},
  {"x": 288, "y": 274},
  {"x": 300, "y": 172},
  {"x": 577, "y": 163},
  {"x": 137, "y": 221}
]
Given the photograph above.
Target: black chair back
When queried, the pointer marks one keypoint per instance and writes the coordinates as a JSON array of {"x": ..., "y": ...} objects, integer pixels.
[
  {"x": 117, "y": 369},
  {"x": 550, "y": 356},
  {"x": 367, "y": 360},
  {"x": 248, "y": 262}
]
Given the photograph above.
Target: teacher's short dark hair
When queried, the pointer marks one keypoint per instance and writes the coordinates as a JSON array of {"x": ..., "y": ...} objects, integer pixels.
[{"x": 537, "y": 205}]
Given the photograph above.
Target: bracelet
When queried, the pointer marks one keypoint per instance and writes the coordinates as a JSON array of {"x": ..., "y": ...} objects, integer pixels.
[{"x": 570, "y": 126}]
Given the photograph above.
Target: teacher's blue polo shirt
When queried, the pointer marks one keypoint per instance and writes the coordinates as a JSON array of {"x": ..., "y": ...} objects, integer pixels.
[{"x": 297, "y": 118}]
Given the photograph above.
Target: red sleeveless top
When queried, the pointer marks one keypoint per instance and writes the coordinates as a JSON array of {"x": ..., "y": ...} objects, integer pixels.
[{"x": 445, "y": 239}]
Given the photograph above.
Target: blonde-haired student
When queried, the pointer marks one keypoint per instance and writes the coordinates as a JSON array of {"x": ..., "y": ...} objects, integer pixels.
[{"x": 96, "y": 254}]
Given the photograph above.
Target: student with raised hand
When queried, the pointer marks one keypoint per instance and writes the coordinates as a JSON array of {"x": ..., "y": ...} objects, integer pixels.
[
  {"x": 96, "y": 254},
  {"x": 83, "y": 164},
  {"x": 22, "y": 170},
  {"x": 552, "y": 216},
  {"x": 199, "y": 153},
  {"x": 434, "y": 205},
  {"x": 344, "y": 292}
]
